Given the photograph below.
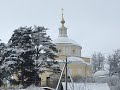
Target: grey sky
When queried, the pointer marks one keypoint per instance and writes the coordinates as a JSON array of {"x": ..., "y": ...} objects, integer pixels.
[{"x": 94, "y": 24}]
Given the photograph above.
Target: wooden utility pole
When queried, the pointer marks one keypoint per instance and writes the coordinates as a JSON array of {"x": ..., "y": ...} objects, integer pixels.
[{"x": 66, "y": 77}]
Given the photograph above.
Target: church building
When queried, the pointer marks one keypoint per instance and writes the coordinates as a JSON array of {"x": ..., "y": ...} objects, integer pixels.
[{"x": 77, "y": 65}]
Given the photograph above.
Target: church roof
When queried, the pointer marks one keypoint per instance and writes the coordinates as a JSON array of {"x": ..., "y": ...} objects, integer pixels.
[
  {"x": 64, "y": 40},
  {"x": 73, "y": 60}
]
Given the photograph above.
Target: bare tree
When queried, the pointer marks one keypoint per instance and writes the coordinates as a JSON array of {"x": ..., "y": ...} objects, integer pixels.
[
  {"x": 114, "y": 63},
  {"x": 98, "y": 61}
]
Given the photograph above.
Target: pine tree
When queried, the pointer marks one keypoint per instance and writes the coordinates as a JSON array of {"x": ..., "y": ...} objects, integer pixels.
[
  {"x": 2, "y": 48},
  {"x": 27, "y": 53},
  {"x": 10, "y": 62},
  {"x": 21, "y": 39},
  {"x": 44, "y": 48}
]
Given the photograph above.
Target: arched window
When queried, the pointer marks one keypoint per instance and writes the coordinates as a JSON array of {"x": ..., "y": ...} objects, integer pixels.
[
  {"x": 59, "y": 50},
  {"x": 73, "y": 51}
]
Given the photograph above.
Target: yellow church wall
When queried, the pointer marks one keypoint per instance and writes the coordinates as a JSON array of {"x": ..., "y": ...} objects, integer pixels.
[
  {"x": 61, "y": 57},
  {"x": 70, "y": 50},
  {"x": 86, "y": 59},
  {"x": 44, "y": 76},
  {"x": 79, "y": 69},
  {"x": 60, "y": 50},
  {"x": 74, "y": 69}
]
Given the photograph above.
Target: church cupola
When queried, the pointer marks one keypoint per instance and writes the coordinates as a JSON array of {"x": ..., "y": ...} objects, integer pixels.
[
  {"x": 65, "y": 45},
  {"x": 63, "y": 29}
]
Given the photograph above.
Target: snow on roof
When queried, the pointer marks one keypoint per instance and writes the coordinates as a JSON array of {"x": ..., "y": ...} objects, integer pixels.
[
  {"x": 101, "y": 73},
  {"x": 61, "y": 40},
  {"x": 74, "y": 59},
  {"x": 86, "y": 86}
]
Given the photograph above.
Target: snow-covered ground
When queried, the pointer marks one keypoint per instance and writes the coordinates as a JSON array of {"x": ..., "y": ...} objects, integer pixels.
[
  {"x": 86, "y": 86},
  {"x": 32, "y": 87}
]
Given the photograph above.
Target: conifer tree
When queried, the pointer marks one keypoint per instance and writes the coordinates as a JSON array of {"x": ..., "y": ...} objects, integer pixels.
[
  {"x": 27, "y": 53},
  {"x": 2, "y": 47}
]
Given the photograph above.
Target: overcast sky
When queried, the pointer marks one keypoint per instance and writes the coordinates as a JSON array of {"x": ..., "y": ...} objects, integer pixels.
[{"x": 94, "y": 24}]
